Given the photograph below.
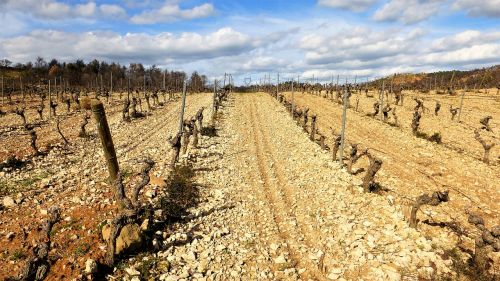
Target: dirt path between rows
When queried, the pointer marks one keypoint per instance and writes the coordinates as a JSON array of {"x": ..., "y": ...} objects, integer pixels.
[{"x": 296, "y": 214}]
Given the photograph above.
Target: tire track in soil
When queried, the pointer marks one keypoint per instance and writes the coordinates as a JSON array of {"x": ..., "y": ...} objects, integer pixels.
[
  {"x": 277, "y": 205},
  {"x": 256, "y": 222},
  {"x": 161, "y": 121},
  {"x": 287, "y": 193}
]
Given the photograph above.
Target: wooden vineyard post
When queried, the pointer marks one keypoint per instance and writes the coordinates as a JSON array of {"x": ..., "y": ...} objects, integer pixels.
[
  {"x": 181, "y": 117},
  {"x": 451, "y": 81},
  {"x": 111, "y": 87},
  {"x": 381, "y": 106},
  {"x": 482, "y": 81},
  {"x": 50, "y": 102},
  {"x": 164, "y": 80},
  {"x": 22, "y": 91},
  {"x": 3, "y": 97},
  {"x": 313, "y": 86},
  {"x": 354, "y": 86},
  {"x": 231, "y": 83},
  {"x": 298, "y": 82},
  {"x": 128, "y": 87},
  {"x": 344, "y": 115},
  {"x": 392, "y": 84},
  {"x": 106, "y": 139},
  {"x": 337, "y": 84},
  {"x": 278, "y": 86},
  {"x": 331, "y": 88},
  {"x": 461, "y": 103},
  {"x": 366, "y": 85},
  {"x": 213, "y": 102},
  {"x": 293, "y": 103}
]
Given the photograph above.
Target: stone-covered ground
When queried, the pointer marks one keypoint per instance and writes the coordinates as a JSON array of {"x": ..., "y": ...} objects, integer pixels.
[{"x": 265, "y": 203}]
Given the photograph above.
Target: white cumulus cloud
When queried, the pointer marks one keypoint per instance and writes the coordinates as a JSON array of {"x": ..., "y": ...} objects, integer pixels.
[
  {"x": 154, "y": 49},
  {"x": 477, "y": 8},
  {"x": 173, "y": 12},
  {"x": 86, "y": 10},
  {"x": 57, "y": 10},
  {"x": 112, "y": 10},
  {"x": 353, "y": 5},
  {"x": 408, "y": 11}
]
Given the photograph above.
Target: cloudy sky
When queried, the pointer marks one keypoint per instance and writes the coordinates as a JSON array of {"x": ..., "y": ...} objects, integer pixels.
[{"x": 250, "y": 38}]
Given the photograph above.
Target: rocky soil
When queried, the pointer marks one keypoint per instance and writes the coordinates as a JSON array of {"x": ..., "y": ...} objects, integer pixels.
[{"x": 265, "y": 203}]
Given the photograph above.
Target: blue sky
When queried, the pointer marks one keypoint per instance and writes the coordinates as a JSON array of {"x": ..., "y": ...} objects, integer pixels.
[{"x": 324, "y": 38}]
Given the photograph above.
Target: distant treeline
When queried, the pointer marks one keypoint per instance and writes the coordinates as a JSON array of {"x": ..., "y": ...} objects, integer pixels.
[
  {"x": 455, "y": 79},
  {"x": 96, "y": 74}
]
